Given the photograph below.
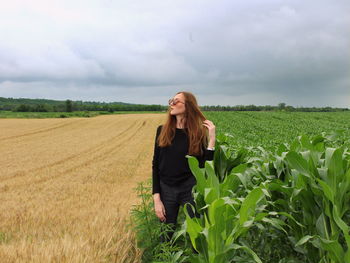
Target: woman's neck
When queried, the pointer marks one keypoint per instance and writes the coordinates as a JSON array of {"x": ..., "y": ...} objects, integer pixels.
[
  {"x": 180, "y": 126},
  {"x": 180, "y": 122}
]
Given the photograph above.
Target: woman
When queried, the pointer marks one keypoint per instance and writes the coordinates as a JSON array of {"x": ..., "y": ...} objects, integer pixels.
[{"x": 184, "y": 132}]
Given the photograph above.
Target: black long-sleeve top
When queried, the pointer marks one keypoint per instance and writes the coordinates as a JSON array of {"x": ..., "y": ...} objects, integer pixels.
[{"x": 170, "y": 164}]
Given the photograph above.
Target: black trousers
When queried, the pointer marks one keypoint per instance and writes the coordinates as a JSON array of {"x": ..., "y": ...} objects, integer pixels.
[{"x": 174, "y": 196}]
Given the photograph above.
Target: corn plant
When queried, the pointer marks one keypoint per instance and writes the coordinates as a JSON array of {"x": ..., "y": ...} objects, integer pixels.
[
  {"x": 224, "y": 217},
  {"x": 311, "y": 182},
  {"x": 301, "y": 191},
  {"x": 321, "y": 190}
]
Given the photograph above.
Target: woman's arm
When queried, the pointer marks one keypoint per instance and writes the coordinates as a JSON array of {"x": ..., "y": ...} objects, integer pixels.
[
  {"x": 155, "y": 166},
  {"x": 158, "y": 204}
]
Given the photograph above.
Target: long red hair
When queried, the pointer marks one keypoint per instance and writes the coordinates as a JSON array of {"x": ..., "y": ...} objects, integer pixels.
[{"x": 193, "y": 123}]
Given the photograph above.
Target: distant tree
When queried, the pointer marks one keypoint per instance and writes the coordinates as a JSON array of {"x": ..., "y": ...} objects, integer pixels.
[
  {"x": 23, "y": 108},
  {"x": 69, "y": 106},
  {"x": 281, "y": 105},
  {"x": 40, "y": 108},
  {"x": 289, "y": 108}
]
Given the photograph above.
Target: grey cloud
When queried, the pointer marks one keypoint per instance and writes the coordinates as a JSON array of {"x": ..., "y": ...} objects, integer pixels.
[{"x": 231, "y": 48}]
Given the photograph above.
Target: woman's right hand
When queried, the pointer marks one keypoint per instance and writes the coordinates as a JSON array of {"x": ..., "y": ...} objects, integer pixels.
[{"x": 159, "y": 208}]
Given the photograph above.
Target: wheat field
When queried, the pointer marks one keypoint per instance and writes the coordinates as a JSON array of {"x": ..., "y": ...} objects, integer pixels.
[{"x": 66, "y": 186}]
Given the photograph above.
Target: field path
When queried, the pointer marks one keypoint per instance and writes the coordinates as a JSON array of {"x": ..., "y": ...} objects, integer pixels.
[{"x": 67, "y": 184}]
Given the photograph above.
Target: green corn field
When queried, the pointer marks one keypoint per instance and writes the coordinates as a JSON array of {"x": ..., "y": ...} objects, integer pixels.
[{"x": 278, "y": 190}]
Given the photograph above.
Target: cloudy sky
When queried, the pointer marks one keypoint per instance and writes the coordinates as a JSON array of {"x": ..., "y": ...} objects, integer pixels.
[{"x": 234, "y": 52}]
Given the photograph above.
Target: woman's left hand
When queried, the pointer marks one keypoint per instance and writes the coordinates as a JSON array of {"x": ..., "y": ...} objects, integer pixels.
[{"x": 211, "y": 128}]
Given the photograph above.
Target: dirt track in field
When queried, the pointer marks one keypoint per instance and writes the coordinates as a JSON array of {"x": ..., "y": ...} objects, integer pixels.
[{"x": 66, "y": 185}]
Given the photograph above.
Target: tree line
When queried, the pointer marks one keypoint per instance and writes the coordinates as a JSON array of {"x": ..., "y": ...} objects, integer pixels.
[{"x": 43, "y": 105}]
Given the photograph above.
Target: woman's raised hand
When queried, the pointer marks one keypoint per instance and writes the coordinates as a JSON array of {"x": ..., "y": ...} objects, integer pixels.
[{"x": 211, "y": 128}]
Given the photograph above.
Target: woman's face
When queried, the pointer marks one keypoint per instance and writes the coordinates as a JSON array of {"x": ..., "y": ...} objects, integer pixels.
[{"x": 177, "y": 106}]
